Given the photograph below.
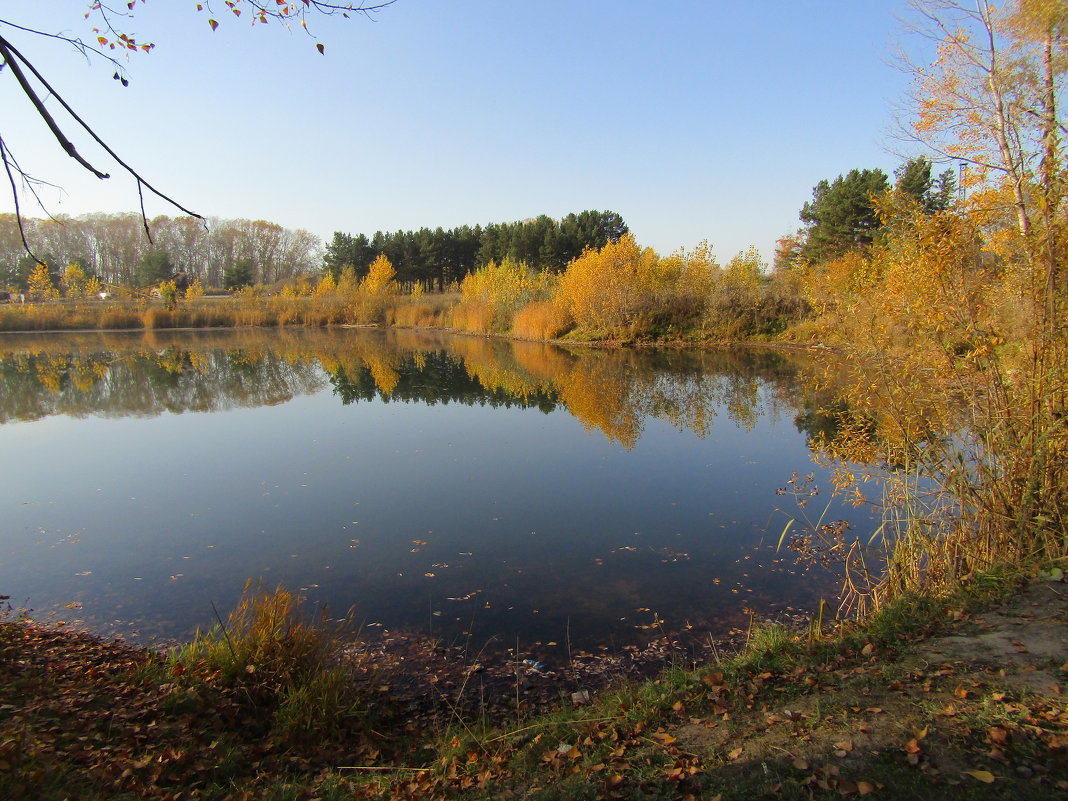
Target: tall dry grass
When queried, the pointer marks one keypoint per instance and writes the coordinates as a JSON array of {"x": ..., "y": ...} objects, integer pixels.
[
  {"x": 544, "y": 319},
  {"x": 410, "y": 313},
  {"x": 284, "y": 657},
  {"x": 492, "y": 295}
]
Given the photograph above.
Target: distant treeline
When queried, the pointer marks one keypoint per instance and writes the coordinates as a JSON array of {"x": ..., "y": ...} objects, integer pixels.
[
  {"x": 231, "y": 253},
  {"x": 115, "y": 249},
  {"x": 440, "y": 257}
]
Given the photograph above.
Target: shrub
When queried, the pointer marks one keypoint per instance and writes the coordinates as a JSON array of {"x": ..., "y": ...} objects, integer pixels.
[
  {"x": 625, "y": 291},
  {"x": 497, "y": 291}
]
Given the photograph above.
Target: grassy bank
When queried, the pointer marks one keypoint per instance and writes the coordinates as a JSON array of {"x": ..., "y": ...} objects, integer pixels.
[{"x": 957, "y": 697}]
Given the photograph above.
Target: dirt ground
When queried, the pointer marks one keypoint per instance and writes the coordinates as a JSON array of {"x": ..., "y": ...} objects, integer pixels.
[{"x": 979, "y": 712}]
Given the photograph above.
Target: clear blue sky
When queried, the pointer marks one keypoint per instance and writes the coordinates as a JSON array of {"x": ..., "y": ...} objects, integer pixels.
[{"x": 694, "y": 120}]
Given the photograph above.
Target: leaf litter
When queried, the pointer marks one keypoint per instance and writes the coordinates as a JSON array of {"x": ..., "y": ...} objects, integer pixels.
[{"x": 958, "y": 713}]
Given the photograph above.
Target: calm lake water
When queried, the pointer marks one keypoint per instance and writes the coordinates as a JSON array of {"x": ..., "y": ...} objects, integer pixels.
[{"x": 456, "y": 486}]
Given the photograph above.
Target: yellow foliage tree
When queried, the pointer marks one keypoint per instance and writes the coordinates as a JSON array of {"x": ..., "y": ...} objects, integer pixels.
[
  {"x": 73, "y": 281},
  {"x": 40, "y": 283},
  {"x": 168, "y": 294},
  {"x": 965, "y": 309},
  {"x": 605, "y": 290},
  {"x": 367, "y": 302},
  {"x": 326, "y": 286},
  {"x": 381, "y": 278},
  {"x": 348, "y": 283},
  {"x": 93, "y": 287}
]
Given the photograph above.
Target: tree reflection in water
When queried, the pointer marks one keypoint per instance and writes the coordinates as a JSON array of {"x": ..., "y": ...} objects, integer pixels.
[{"x": 611, "y": 391}]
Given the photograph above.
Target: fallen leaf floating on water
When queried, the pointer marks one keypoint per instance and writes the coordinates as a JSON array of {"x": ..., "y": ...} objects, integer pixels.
[{"x": 467, "y": 597}]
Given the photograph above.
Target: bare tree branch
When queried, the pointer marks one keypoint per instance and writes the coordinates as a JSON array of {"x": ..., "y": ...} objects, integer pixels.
[
  {"x": 13, "y": 56},
  {"x": 86, "y": 49},
  {"x": 110, "y": 37},
  {"x": 15, "y": 196}
]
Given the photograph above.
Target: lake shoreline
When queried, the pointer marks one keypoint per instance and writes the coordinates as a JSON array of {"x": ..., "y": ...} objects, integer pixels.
[
  {"x": 676, "y": 344},
  {"x": 946, "y": 696}
]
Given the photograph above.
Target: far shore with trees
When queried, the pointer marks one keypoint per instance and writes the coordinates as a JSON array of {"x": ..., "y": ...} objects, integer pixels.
[{"x": 583, "y": 276}]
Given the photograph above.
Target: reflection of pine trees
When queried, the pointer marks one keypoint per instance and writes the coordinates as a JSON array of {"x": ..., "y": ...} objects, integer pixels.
[{"x": 431, "y": 377}]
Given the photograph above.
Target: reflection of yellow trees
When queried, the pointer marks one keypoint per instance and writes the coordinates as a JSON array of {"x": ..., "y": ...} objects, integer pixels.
[
  {"x": 542, "y": 361},
  {"x": 383, "y": 374},
  {"x": 743, "y": 402},
  {"x": 199, "y": 361},
  {"x": 250, "y": 356},
  {"x": 598, "y": 394},
  {"x": 491, "y": 362},
  {"x": 412, "y": 340},
  {"x": 50, "y": 372},
  {"x": 611, "y": 391},
  {"x": 372, "y": 353},
  {"x": 330, "y": 363},
  {"x": 172, "y": 360},
  {"x": 86, "y": 372},
  {"x": 687, "y": 401}
]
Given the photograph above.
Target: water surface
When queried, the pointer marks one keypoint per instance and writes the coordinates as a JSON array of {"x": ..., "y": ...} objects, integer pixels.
[{"x": 456, "y": 486}]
